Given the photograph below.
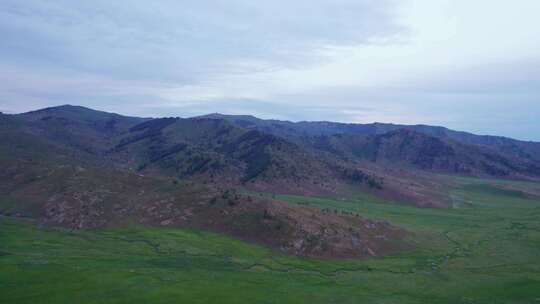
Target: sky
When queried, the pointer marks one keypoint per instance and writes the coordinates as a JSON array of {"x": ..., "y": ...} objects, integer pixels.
[{"x": 467, "y": 65}]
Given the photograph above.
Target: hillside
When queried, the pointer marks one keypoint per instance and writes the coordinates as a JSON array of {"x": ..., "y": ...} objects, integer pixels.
[
  {"x": 78, "y": 127},
  {"x": 205, "y": 150},
  {"x": 87, "y": 198},
  {"x": 259, "y": 155},
  {"x": 309, "y": 158},
  {"x": 57, "y": 181},
  {"x": 417, "y": 150},
  {"x": 308, "y": 200},
  {"x": 485, "y": 250},
  {"x": 424, "y": 147},
  {"x": 216, "y": 151}
]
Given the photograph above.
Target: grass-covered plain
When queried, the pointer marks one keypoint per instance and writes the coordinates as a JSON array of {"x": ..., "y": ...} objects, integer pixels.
[{"x": 486, "y": 249}]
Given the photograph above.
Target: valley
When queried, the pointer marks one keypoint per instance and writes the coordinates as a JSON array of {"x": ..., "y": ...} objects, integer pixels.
[
  {"x": 269, "y": 152},
  {"x": 96, "y": 207},
  {"x": 484, "y": 250}
]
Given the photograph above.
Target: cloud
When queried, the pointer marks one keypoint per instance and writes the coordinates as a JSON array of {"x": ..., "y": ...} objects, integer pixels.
[
  {"x": 182, "y": 42},
  {"x": 410, "y": 61},
  {"x": 129, "y": 55}
]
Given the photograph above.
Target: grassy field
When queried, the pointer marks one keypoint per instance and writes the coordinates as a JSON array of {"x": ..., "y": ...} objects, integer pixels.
[{"x": 486, "y": 249}]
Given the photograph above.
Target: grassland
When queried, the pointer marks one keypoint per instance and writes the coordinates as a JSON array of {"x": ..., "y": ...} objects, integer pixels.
[{"x": 486, "y": 249}]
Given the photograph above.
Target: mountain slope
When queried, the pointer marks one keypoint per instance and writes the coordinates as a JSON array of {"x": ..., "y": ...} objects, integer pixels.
[
  {"x": 48, "y": 177},
  {"x": 87, "y": 197},
  {"x": 271, "y": 156},
  {"x": 410, "y": 148},
  {"x": 207, "y": 150},
  {"x": 78, "y": 127},
  {"x": 217, "y": 151},
  {"x": 474, "y": 154}
]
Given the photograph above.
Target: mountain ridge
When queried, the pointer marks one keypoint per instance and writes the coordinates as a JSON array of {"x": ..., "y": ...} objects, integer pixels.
[
  {"x": 217, "y": 115},
  {"x": 279, "y": 156},
  {"x": 76, "y": 167},
  {"x": 296, "y": 130},
  {"x": 374, "y": 125}
]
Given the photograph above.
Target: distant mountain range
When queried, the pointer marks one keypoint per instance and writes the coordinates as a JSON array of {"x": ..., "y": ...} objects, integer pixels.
[
  {"x": 83, "y": 168},
  {"x": 507, "y": 146},
  {"x": 272, "y": 155}
]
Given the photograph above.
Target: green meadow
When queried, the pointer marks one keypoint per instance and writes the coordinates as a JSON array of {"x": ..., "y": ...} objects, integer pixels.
[{"x": 485, "y": 249}]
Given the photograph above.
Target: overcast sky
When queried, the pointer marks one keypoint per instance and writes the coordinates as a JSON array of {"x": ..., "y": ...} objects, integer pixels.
[{"x": 467, "y": 65}]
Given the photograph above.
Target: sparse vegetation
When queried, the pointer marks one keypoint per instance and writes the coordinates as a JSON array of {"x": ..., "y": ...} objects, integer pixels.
[
  {"x": 100, "y": 208},
  {"x": 484, "y": 250}
]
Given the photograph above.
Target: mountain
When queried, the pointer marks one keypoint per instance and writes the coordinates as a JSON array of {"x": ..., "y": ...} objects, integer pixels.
[
  {"x": 206, "y": 150},
  {"x": 313, "y": 158},
  {"x": 215, "y": 150},
  {"x": 78, "y": 127},
  {"x": 268, "y": 155},
  {"x": 80, "y": 168},
  {"x": 410, "y": 148},
  {"x": 65, "y": 174},
  {"x": 425, "y": 147}
]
